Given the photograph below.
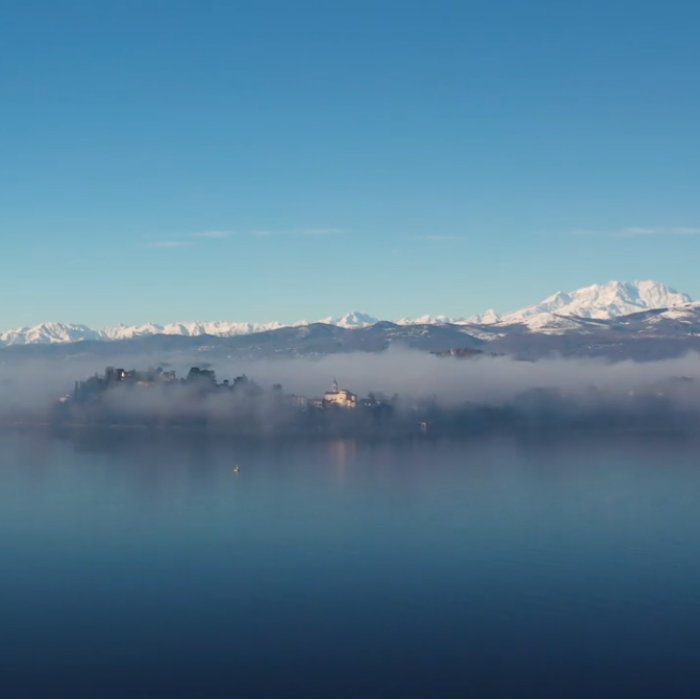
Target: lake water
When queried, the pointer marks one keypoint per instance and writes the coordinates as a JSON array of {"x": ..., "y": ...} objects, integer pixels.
[{"x": 133, "y": 565}]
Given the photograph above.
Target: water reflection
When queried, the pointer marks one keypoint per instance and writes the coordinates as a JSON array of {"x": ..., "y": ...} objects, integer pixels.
[
  {"x": 387, "y": 568},
  {"x": 341, "y": 453}
]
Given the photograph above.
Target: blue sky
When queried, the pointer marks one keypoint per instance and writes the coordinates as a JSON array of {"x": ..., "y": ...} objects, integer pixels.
[{"x": 165, "y": 160}]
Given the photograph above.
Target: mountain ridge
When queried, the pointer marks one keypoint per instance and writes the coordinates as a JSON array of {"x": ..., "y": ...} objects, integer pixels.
[{"x": 558, "y": 313}]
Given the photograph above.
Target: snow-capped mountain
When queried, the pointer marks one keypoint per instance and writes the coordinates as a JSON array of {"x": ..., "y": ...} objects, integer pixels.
[
  {"x": 603, "y": 301},
  {"x": 581, "y": 309},
  {"x": 562, "y": 311},
  {"x": 190, "y": 328},
  {"x": 354, "y": 319},
  {"x": 487, "y": 317},
  {"x": 50, "y": 332},
  {"x": 429, "y": 320}
]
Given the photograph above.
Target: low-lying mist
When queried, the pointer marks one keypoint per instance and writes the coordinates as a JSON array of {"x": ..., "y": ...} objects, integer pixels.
[{"x": 27, "y": 385}]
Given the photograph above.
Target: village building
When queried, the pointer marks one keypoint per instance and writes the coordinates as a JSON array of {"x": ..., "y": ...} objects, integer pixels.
[{"x": 340, "y": 397}]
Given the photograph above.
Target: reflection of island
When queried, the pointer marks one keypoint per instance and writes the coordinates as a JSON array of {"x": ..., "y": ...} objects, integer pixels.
[{"x": 159, "y": 399}]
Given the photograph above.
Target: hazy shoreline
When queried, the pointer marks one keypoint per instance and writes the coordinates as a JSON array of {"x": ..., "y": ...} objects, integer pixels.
[{"x": 553, "y": 432}]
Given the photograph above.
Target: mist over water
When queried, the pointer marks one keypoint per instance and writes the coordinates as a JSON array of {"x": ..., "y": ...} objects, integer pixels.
[
  {"x": 32, "y": 384},
  {"x": 142, "y": 565}
]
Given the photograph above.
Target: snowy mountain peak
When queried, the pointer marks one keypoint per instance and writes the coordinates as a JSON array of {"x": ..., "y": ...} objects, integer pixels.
[
  {"x": 428, "y": 320},
  {"x": 188, "y": 328},
  {"x": 489, "y": 316},
  {"x": 49, "y": 332},
  {"x": 353, "y": 319},
  {"x": 604, "y": 301}
]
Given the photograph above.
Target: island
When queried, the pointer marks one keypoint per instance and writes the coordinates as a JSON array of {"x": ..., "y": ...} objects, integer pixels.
[{"x": 157, "y": 399}]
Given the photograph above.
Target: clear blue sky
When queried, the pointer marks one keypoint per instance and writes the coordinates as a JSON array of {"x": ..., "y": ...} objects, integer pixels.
[{"x": 168, "y": 160}]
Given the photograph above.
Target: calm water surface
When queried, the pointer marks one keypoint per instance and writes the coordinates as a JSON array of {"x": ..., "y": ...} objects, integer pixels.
[{"x": 145, "y": 566}]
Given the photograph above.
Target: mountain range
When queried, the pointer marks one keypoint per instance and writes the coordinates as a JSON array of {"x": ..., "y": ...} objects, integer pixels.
[
  {"x": 639, "y": 320},
  {"x": 558, "y": 313}
]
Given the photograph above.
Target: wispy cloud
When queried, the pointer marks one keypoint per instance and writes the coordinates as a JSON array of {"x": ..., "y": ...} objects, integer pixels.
[
  {"x": 188, "y": 239},
  {"x": 588, "y": 232},
  {"x": 662, "y": 231},
  {"x": 435, "y": 237},
  {"x": 634, "y": 231},
  {"x": 168, "y": 244},
  {"x": 222, "y": 234},
  {"x": 299, "y": 231},
  {"x": 321, "y": 231},
  {"x": 212, "y": 234}
]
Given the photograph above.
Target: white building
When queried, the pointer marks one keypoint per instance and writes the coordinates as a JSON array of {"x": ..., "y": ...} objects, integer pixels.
[{"x": 340, "y": 397}]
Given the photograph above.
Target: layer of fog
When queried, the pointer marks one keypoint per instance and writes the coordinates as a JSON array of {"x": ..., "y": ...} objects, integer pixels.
[{"x": 32, "y": 384}]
